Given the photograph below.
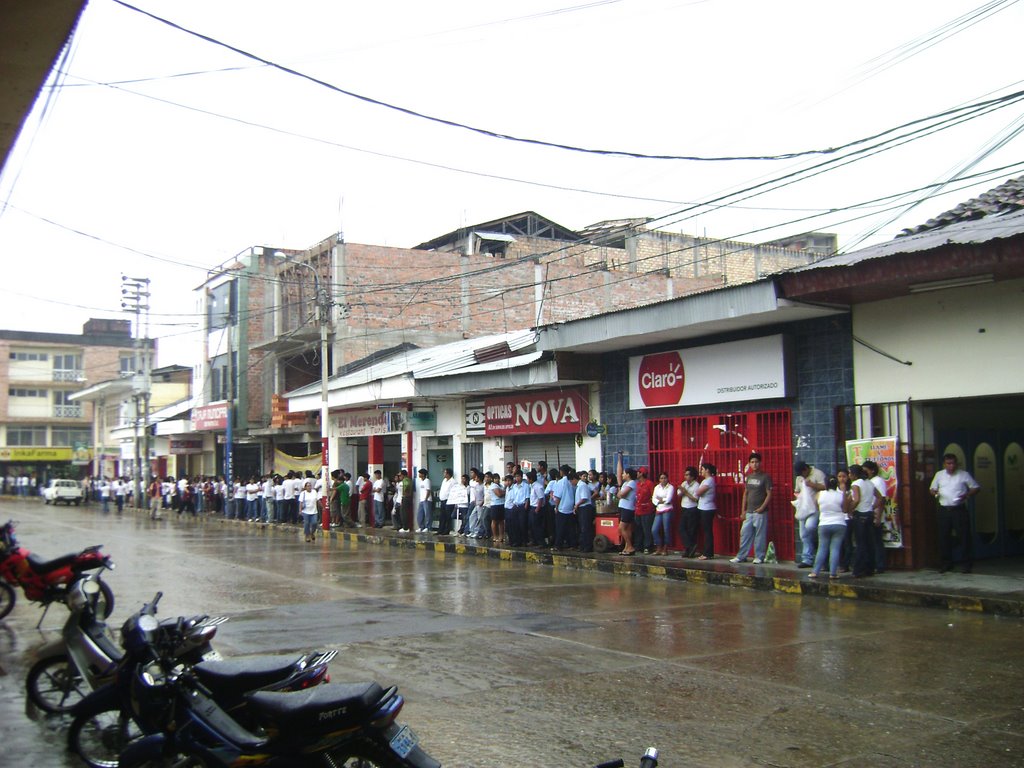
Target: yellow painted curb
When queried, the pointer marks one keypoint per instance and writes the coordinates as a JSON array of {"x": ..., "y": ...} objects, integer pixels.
[
  {"x": 787, "y": 585},
  {"x": 657, "y": 570},
  {"x": 742, "y": 580},
  {"x": 841, "y": 590},
  {"x": 697, "y": 576},
  {"x": 966, "y": 604}
]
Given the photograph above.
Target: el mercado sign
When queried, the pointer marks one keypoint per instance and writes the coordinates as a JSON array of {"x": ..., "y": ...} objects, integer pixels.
[
  {"x": 552, "y": 412},
  {"x": 752, "y": 369}
]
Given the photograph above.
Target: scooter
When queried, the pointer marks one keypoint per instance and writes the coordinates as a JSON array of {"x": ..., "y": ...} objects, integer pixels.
[
  {"x": 86, "y": 656},
  {"x": 47, "y": 581},
  {"x": 109, "y": 718}
]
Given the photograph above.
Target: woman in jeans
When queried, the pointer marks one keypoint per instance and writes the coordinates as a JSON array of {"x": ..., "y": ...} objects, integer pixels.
[
  {"x": 831, "y": 528},
  {"x": 662, "y": 498},
  {"x": 308, "y": 507}
]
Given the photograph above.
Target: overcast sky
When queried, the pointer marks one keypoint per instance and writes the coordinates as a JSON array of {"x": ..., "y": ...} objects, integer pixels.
[{"x": 161, "y": 154}]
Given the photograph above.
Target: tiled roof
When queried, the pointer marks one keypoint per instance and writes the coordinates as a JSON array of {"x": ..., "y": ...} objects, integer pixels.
[{"x": 1007, "y": 197}]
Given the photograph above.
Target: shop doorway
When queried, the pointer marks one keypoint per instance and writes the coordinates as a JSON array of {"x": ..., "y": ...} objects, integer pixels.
[
  {"x": 726, "y": 440},
  {"x": 995, "y": 458}
]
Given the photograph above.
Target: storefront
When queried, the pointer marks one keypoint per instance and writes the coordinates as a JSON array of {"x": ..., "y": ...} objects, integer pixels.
[
  {"x": 530, "y": 427},
  {"x": 713, "y": 377}
]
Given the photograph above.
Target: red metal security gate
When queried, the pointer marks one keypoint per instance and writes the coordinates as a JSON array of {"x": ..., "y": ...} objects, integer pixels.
[{"x": 726, "y": 440}]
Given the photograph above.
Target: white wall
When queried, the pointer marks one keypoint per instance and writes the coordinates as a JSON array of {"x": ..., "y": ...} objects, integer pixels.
[{"x": 963, "y": 342}]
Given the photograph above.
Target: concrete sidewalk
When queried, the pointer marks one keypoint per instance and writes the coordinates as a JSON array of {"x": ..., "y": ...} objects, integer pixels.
[{"x": 995, "y": 586}]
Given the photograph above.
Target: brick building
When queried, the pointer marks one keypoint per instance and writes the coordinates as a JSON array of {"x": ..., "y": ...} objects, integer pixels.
[
  {"x": 44, "y": 432},
  {"x": 520, "y": 271}
]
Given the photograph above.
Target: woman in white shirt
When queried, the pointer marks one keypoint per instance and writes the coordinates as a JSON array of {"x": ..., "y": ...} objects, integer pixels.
[
  {"x": 662, "y": 498},
  {"x": 861, "y": 505},
  {"x": 689, "y": 521},
  {"x": 308, "y": 507},
  {"x": 831, "y": 528},
  {"x": 707, "y": 506}
]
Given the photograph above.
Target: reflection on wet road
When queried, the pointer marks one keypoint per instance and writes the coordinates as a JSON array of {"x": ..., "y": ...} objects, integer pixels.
[{"x": 514, "y": 664}]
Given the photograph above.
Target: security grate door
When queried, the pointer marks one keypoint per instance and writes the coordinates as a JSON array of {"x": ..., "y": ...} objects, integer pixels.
[{"x": 726, "y": 440}]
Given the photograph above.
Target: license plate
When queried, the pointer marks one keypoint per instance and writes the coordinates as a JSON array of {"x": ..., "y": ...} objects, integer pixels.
[
  {"x": 212, "y": 656},
  {"x": 404, "y": 741}
]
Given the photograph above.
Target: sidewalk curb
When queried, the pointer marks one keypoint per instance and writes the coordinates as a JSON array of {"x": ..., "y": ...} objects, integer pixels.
[{"x": 719, "y": 572}]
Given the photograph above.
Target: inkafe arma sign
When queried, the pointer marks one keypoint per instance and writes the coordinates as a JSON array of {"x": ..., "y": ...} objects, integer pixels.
[
  {"x": 551, "y": 412},
  {"x": 753, "y": 369}
]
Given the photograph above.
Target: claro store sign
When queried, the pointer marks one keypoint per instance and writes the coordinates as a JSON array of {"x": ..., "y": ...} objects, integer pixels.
[
  {"x": 537, "y": 413},
  {"x": 753, "y": 369}
]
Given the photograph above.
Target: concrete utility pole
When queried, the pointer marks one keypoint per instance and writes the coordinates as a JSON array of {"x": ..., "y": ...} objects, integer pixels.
[
  {"x": 135, "y": 298},
  {"x": 324, "y": 303}
]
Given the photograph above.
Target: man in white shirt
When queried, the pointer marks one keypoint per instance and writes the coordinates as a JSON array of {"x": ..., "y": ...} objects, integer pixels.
[
  {"x": 287, "y": 497},
  {"x": 378, "y": 499},
  {"x": 424, "y": 513},
  {"x": 952, "y": 486},
  {"x": 444, "y": 525}
]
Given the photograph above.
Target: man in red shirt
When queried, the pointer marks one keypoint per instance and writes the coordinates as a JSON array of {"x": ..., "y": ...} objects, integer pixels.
[{"x": 643, "y": 534}]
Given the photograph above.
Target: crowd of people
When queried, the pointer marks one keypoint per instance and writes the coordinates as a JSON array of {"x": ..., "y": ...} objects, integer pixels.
[{"x": 838, "y": 518}]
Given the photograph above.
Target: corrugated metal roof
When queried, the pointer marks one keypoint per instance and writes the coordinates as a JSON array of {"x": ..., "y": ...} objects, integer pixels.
[
  {"x": 430, "y": 362},
  {"x": 993, "y": 227}
]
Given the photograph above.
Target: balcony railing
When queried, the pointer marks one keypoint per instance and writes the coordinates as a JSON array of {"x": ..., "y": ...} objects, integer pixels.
[
  {"x": 64, "y": 374},
  {"x": 67, "y": 411}
]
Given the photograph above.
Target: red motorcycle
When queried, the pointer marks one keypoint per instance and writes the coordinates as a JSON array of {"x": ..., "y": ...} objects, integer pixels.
[{"x": 47, "y": 581}]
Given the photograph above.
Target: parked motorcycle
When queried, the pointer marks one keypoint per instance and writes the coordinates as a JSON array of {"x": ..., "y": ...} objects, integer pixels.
[
  {"x": 86, "y": 656},
  {"x": 353, "y": 725},
  {"x": 330, "y": 725},
  {"x": 110, "y": 717},
  {"x": 47, "y": 581}
]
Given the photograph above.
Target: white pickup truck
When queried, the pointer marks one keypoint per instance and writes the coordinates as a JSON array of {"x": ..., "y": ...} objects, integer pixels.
[{"x": 67, "y": 491}]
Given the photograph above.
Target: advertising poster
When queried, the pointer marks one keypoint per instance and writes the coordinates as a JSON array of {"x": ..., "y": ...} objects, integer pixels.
[{"x": 881, "y": 450}]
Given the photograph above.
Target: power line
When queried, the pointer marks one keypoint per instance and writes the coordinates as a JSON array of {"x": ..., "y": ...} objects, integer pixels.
[{"x": 505, "y": 136}]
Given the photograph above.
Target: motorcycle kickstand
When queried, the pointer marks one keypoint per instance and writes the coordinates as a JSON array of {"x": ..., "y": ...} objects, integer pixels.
[{"x": 46, "y": 609}]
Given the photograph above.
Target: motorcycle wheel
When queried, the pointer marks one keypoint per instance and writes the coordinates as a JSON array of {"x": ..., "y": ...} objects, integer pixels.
[
  {"x": 98, "y": 740},
  {"x": 7, "y": 596},
  {"x": 54, "y": 684}
]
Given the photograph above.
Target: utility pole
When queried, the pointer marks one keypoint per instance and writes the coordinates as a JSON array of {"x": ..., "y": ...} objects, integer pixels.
[
  {"x": 135, "y": 298},
  {"x": 323, "y": 303}
]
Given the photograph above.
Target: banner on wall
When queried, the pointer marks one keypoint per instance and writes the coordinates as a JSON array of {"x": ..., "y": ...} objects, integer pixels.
[
  {"x": 883, "y": 451},
  {"x": 283, "y": 463}
]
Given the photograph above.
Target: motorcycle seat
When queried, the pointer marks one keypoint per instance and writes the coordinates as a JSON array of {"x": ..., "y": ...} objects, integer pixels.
[
  {"x": 326, "y": 707},
  {"x": 243, "y": 675},
  {"x": 46, "y": 566}
]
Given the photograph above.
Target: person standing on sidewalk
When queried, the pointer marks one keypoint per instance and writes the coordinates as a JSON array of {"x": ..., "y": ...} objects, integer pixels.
[
  {"x": 707, "y": 507},
  {"x": 812, "y": 482},
  {"x": 425, "y": 496},
  {"x": 757, "y": 492},
  {"x": 871, "y": 468},
  {"x": 952, "y": 486},
  {"x": 663, "y": 496},
  {"x": 864, "y": 513},
  {"x": 444, "y": 524}
]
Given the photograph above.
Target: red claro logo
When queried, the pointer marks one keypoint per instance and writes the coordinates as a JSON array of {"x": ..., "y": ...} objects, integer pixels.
[{"x": 661, "y": 378}]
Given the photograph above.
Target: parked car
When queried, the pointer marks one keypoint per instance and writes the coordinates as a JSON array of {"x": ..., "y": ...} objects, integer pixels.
[{"x": 67, "y": 491}]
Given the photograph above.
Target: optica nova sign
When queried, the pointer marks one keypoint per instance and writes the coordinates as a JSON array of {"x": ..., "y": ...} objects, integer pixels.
[{"x": 753, "y": 369}]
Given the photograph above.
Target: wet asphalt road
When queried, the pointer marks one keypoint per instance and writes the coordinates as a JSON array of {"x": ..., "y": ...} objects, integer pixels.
[{"x": 516, "y": 664}]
